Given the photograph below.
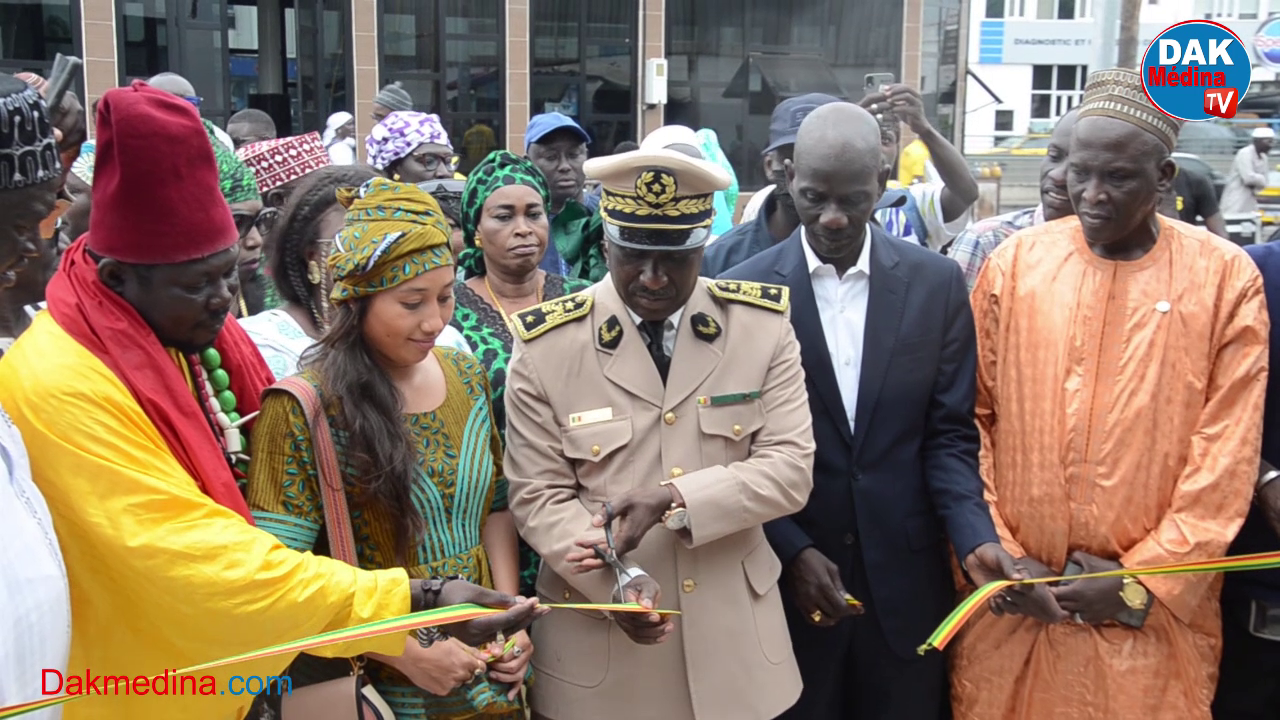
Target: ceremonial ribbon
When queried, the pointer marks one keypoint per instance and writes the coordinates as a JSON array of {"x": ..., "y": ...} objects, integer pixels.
[
  {"x": 950, "y": 627},
  {"x": 404, "y": 623}
]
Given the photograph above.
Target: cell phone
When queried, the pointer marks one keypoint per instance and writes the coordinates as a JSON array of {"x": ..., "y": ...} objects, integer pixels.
[
  {"x": 872, "y": 82},
  {"x": 60, "y": 78}
]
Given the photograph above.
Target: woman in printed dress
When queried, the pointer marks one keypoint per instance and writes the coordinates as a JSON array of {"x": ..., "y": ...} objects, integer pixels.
[
  {"x": 417, "y": 441},
  {"x": 505, "y": 230}
]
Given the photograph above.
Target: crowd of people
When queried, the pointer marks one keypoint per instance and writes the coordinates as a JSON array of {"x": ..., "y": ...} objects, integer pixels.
[{"x": 297, "y": 392}]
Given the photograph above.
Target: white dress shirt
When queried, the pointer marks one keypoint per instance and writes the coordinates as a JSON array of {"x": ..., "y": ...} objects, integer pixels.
[
  {"x": 842, "y": 307},
  {"x": 670, "y": 327},
  {"x": 35, "y": 627}
]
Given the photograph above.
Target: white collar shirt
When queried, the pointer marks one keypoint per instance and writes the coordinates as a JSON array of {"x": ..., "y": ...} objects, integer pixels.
[
  {"x": 842, "y": 308},
  {"x": 670, "y": 327}
]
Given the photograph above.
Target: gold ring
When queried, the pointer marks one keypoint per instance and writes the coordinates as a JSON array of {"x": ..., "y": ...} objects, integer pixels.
[{"x": 817, "y": 616}]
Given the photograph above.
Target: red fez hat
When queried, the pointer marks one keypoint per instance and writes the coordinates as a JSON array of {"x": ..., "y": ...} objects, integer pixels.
[{"x": 156, "y": 199}]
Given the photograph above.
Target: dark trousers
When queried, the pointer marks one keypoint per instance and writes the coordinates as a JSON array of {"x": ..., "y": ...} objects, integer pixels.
[
  {"x": 851, "y": 672},
  {"x": 1249, "y": 680}
]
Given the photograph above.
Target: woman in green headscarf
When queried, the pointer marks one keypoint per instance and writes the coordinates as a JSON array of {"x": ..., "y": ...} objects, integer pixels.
[
  {"x": 417, "y": 440},
  {"x": 240, "y": 189},
  {"x": 505, "y": 232}
]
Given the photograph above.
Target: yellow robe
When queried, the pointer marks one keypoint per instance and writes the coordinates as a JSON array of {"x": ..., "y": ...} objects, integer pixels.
[
  {"x": 1120, "y": 406},
  {"x": 161, "y": 576}
]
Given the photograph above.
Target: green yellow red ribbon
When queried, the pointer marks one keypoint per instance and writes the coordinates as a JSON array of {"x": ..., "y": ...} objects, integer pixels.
[
  {"x": 950, "y": 627},
  {"x": 404, "y": 623}
]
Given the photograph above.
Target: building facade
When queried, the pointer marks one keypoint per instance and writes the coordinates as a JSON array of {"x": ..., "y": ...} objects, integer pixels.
[
  {"x": 1029, "y": 58},
  {"x": 486, "y": 65}
]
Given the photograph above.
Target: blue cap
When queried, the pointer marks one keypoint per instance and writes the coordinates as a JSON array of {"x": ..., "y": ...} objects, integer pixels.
[
  {"x": 787, "y": 117},
  {"x": 542, "y": 125}
]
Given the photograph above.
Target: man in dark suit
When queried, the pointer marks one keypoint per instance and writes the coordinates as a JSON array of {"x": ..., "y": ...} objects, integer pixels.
[
  {"x": 1248, "y": 686},
  {"x": 888, "y": 348}
]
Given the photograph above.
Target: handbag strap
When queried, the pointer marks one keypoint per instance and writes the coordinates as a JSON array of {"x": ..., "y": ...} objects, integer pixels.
[{"x": 337, "y": 517}]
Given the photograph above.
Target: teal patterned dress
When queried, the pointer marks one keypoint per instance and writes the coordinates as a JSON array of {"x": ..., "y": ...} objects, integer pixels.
[
  {"x": 490, "y": 339},
  {"x": 460, "y": 483}
]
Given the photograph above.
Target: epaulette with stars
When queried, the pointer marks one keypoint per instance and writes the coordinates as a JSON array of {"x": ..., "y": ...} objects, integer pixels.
[
  {"x": 770, "y": 297},
  {"x": 551, "y": 314}
]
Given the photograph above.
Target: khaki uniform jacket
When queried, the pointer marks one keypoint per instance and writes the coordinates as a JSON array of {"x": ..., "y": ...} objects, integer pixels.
[{"x": 739, "y": 460}]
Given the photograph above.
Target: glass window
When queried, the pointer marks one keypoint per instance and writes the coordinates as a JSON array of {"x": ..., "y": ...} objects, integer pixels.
[
  {"x": 162, "y": 37},
  {"x": 732, "y": 61},
  {"x": 1041, "y": 106},
  {"x": 995, "y": 8},
  {"x": 449, "y": 55},
  {"x": 33, "y": 32},
  {"x": 583, "y": 65},
  {"x": 1042, "y": 77},
  {"x": 1052, "y": 101},
  {"x": 1068, "y": 77},
  {"x": 145, "y": 39},
  {"x": 1004, "y": 121}
]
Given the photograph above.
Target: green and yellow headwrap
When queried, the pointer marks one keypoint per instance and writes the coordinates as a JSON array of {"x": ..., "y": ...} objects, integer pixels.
[
  {"x": 393, "y": 233},
  {"x": 499, "y": 169},
  {"x": 234, "y": 177}
]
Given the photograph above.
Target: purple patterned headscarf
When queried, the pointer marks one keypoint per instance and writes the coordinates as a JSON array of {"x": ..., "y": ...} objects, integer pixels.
[{"x": 400, "y": 133}]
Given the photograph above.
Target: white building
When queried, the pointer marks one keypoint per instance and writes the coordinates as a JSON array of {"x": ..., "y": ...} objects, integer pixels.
[{"x": 1033, "y": 55}]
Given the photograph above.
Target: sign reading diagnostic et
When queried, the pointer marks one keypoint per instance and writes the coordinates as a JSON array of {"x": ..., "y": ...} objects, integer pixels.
[{"x": 1196, "y": 70}]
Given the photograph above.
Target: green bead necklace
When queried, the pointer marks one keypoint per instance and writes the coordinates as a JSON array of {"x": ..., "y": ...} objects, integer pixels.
[{"x": 213, "y": 385}]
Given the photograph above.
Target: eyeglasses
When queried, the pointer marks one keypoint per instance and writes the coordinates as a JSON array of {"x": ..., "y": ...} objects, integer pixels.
[
  {"x": 264, "y": 221},
  {"x": 431, "y": 162}
]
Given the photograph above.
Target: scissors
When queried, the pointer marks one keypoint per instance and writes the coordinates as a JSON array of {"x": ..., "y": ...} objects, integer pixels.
[{"x": 610, "y": 556}]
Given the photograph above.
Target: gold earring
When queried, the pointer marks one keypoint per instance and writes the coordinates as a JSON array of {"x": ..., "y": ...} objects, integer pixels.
[
  {"x": 479, "y": 240},
  {"x": 313, "y": 273},
  {"x": 395, "y": 176}
]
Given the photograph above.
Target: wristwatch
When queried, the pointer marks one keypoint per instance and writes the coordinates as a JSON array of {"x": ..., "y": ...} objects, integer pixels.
[
  {"x": 1134, "y": 593},
  {"x": 676, "y": 518}
]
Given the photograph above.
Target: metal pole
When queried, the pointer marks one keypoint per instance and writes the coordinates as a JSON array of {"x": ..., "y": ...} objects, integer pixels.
[
  {"x": 1105, "y": 41},
  {"x": 1128, "y": 44}
]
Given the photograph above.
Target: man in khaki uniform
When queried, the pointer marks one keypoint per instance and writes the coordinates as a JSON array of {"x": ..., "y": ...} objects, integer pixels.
[{"x": 680, "y": 401}]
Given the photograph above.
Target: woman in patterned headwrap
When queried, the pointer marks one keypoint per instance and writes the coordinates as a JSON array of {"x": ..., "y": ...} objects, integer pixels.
[
  {"x": 505, "y": 231},
  {"x": 416, "y": 437},
  {"x": 299, "y": 244},
  {"x": 240, "y": 189},
  {"x": 411, "y": 147}
]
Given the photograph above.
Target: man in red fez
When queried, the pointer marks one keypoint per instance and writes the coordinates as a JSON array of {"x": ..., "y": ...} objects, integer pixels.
[{"x": 134, "y": 394}]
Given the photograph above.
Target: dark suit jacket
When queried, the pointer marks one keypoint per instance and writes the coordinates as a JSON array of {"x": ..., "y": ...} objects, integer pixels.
[
  {"x": 1257, "y": 535},
  {"x": 908, "y": 477}
]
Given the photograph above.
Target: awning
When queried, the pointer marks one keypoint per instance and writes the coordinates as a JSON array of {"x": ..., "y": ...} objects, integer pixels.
[{"x": 783, "y": 76}]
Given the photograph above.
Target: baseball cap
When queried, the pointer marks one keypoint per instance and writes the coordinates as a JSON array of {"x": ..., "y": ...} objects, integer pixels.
[
  {"x": 787, "y": 117},
  {"x": 542, "y": 125}
]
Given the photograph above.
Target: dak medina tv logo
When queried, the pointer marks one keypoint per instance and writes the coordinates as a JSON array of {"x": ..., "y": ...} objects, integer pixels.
[{"x": 1196, "y": 70}]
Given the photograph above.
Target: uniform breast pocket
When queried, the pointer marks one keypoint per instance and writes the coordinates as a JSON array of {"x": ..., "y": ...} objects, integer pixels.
[
  {"x": 596, "y": 452},
  {"x": 727, "y": 431}
]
